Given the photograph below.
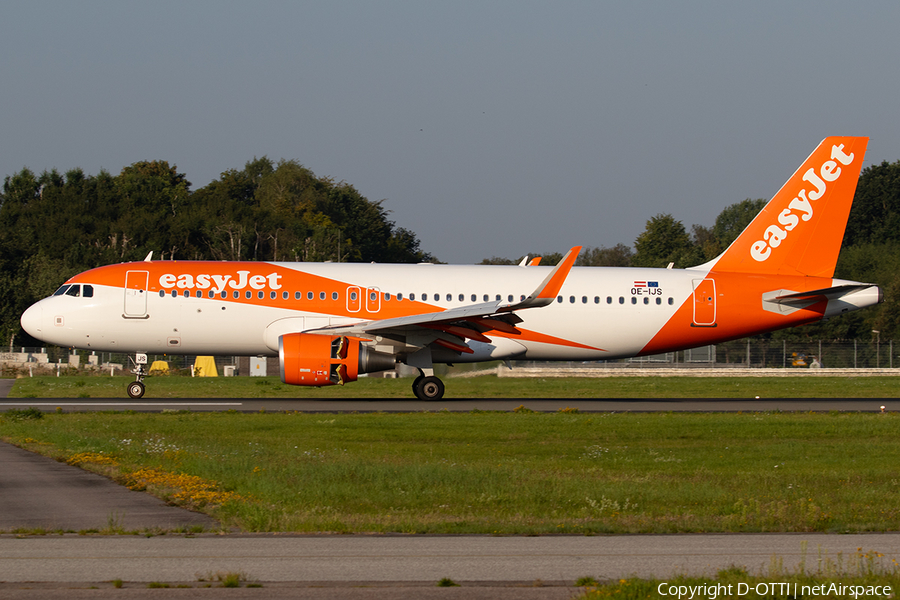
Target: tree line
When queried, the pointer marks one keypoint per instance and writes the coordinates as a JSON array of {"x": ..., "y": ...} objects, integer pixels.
[
  {"x": 53, "y": 226},
  {"x": 870, "y": 253}
]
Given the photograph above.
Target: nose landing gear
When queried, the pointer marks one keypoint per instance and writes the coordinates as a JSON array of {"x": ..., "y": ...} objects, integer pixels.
[{"x": 136, "y": 387}]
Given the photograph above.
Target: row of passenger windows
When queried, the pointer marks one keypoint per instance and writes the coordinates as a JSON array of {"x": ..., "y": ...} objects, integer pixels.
[{"x": 373, "y": 296}]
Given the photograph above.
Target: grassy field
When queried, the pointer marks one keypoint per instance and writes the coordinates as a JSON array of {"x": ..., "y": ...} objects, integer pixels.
[
  {"x": 520, "y": 472},
  {"x": 488, "y": 386}
]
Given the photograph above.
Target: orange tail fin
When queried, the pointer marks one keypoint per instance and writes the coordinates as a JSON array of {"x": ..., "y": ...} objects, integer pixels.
[{"x": 799, "y": 232}]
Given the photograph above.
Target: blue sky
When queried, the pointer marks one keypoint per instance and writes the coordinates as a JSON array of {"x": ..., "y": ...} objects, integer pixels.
[{"x": 488, "y": 128}]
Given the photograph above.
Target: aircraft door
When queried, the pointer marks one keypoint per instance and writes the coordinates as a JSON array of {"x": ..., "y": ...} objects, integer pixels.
[
  {"x": 373, "y": 300},
  {"x": 704, "y": 303},
  {"x": 136, "y": 294}
]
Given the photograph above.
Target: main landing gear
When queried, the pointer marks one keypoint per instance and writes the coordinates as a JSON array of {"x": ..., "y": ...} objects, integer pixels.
[
  {"x": 428, "y": 387},
  {"x": 136, "y": 387}
]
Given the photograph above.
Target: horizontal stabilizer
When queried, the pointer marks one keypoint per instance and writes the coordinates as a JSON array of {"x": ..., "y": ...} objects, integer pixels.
[
  {"x": 839, "y": 298},
  {"x": 831, "y": 293}
]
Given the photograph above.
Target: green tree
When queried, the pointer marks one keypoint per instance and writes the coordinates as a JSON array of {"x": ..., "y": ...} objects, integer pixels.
[
  {"x": 619, "y": 255},
  {"x": 732, "y": 221},
  {"x": 664, "y": 240},
  {"x": 875, "y": 214}
]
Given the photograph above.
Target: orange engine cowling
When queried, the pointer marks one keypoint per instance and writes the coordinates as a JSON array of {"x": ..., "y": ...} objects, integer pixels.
[{"x": 317, "y": 360}]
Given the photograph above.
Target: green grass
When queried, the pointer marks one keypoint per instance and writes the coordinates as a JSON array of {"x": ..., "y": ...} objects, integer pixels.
[
  {"x": 488, "y": 386},
  {"x": 500, "y": 472}
]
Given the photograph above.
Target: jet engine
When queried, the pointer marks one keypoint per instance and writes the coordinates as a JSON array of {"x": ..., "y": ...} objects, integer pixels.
[{"x": 318, "y": 360}]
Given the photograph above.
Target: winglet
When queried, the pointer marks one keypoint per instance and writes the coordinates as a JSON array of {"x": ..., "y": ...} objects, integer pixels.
[{"x": 546, "y": 292}]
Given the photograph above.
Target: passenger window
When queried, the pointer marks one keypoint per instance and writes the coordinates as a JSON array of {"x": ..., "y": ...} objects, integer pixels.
[
  {"x": 187, "y": 294},
  {"x": 387, "y": 296},
  {"x": 212, "y": 294},
  {"x": 646, "y": 300},
  {"x": 571, "y": 299},
  {"x": 260, "y": 295},
  {"x": 174, "y": 294},
  {"x": 236, "y": 295},
  {"x": 284, "y": 295},
  {"x": 559, "y": 298},
  {"x": 486, "y": 298},
  {"x": 309, "y": 295},
  {"x": 609, "y": 299},
  {"x": 658, "y": 301},
  {"x": 584, "y": 299},
  {"x": 248, "y": 294},
  {"x": 162, "y": 293},
  {"x": 199, "y": 294},
  {"x": 353, "y": 296},
  {"x": 412, "y": 296},
  {"x": 633, "y": 300},
  {"x": 671, "y": 301},
  {"x": 621, "y": 300},
  {"x": 399, "y": 295},
  {"x": 474, "y": 298},
  {"x": 498, "y": 297},
  {"x": 298, "y": 295},
  {"x": 321, "y": 295},
  {"x": 509, "y": 298},
  {"x": 596, "y": 299},
  {"x": 450, "y": 298}
]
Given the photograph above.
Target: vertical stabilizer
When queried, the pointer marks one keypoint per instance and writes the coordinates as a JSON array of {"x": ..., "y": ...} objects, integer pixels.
[{"x": 799, "y": 232}]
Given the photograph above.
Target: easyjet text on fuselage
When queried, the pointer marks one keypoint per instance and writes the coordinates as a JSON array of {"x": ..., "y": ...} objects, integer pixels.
[{"x": 219, "y": 282}]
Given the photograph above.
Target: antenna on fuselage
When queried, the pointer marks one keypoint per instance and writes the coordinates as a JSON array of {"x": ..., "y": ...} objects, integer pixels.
[{"x": 149, "y": 257}]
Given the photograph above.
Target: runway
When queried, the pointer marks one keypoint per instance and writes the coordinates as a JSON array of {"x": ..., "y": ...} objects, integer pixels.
[{"x": 586, "y": 405}]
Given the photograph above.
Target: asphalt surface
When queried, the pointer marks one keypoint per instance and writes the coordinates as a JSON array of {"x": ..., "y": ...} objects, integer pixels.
[
  {"x": 39, "y": 493},
  {"x": 498, "y": 404}
]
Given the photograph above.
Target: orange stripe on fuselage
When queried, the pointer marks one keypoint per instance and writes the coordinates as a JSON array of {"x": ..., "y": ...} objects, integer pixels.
[
  {"x": 255, "y": 277},
  {"x": 739, "y": 311}
]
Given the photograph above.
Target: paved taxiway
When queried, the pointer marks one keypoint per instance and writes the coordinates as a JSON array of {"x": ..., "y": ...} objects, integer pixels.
[{"x": 417, "y": 558}]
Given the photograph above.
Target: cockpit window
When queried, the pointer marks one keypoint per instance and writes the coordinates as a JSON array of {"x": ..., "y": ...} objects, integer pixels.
[
  {"x": 87, "y": 291},
  {"x": 61, "y": 290},
  {"x": 74, "y": 290}
]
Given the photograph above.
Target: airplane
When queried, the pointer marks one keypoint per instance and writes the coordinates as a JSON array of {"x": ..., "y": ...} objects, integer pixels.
[{"x": 328, "y": 323}]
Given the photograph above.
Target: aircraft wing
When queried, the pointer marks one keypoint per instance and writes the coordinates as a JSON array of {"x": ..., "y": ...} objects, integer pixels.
[{"x": 470, "y": 321}]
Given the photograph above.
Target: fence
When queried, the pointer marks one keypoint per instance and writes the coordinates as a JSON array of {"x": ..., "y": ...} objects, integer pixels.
[
  {"x": 777, "y": 354},
  {"x": 63, "y": 360},
  {"x": 745, "y": 353}
]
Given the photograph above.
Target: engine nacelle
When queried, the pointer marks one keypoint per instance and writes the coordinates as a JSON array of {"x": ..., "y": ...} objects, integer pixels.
[{"x": 317, "y": 360}]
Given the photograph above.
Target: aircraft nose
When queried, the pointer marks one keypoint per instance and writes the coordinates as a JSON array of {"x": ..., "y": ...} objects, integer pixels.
[{"x": 32, "y": 320}]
